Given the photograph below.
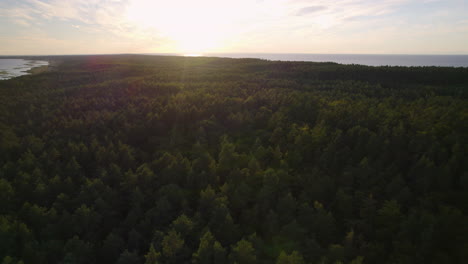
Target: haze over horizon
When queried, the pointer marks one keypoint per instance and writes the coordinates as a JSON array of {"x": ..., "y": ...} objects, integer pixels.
[{"x": 48, "y": 27}]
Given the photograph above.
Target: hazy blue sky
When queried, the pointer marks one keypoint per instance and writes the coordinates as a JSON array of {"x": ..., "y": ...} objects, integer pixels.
[{"x": 197, "y": 26}]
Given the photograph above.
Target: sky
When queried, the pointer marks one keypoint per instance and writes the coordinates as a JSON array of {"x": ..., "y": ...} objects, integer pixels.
[{"x": 40, "y": 27}]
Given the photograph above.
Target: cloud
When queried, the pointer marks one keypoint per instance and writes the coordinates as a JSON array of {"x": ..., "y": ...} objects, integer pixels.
[
  {"x": 105, "y": 14},
  {"x": 110, "y": 15},
  {"x": 310, "y": 9},
  {"x": 245, "y": 25},
  {"x": 97, "y": 20}
]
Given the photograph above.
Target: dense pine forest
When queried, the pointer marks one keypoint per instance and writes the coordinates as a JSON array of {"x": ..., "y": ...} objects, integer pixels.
[{"x": 155, "y": 159}]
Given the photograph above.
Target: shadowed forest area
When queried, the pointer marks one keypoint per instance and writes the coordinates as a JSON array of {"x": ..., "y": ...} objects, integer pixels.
[{"x": 158, "y": 159}]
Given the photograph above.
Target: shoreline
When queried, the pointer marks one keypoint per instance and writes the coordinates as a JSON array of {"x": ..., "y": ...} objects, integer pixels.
[
  {"x": 30, "y": 68},
  {"x": 37, "y": 70},
  {"x": 51, "y": 66}
]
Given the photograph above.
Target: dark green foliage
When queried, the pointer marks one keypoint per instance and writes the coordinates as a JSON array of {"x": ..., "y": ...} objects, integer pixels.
[
  {"x": 146, "y": 159},
  {"x": 293, "y": 258},
  {"x": 243, "y": 252}
]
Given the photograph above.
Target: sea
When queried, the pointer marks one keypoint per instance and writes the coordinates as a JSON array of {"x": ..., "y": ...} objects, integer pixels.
[
  {"x": 10, "y": 68},
  {"x": 362, "y": 59}
]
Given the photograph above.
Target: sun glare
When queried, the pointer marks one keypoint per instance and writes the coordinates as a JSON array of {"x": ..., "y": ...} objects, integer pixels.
[
  {"x": 192, "y": 27},
  {"x": 193, "y": 55}
]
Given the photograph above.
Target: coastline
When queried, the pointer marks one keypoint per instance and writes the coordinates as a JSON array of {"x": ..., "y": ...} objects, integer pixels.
[
  {"x": 37, "y": 70},
  {"x": 27, "y": 66},
  {"x": 51, "y": 66}
]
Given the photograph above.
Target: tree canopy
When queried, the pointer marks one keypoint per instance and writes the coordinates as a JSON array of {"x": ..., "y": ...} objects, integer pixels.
[{"x": 159, "y": 159}]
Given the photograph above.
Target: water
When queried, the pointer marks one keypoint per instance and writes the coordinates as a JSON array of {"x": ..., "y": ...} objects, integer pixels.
[
  {"x": 10, "y": 68},
  {"x": 370, "y": 60}
]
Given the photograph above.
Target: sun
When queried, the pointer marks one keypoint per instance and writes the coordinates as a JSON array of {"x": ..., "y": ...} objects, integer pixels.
[
  {"x": 191, "y": 27},
  {"x": 195, "y": 39}
]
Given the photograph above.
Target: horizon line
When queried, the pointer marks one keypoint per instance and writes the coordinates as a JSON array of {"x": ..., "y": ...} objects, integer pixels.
[{"x": 207, "y": 54}]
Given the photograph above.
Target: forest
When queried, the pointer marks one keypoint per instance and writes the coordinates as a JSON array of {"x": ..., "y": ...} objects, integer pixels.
[{"x": 166, "y": 159}]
